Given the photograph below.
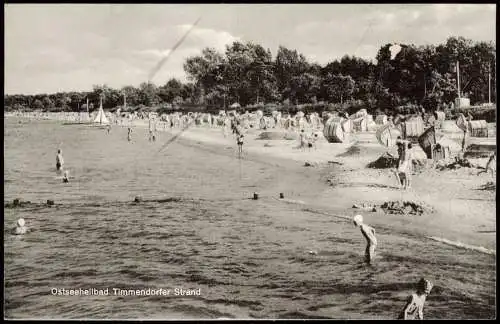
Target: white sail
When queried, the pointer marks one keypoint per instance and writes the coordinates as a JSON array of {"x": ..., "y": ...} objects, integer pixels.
[{"x": 101, "y": 117}]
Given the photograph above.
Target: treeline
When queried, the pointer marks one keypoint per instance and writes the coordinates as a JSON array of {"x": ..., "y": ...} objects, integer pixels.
[{"x": 248, "y": 74}]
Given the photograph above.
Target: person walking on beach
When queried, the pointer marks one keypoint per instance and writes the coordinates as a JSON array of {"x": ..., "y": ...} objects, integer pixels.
[
  {"x": 490, "y": 165},
  {"x": 108, "y": 128},
  {"x": 303, "y": 139},
  {"x": 59, "y": 160},
  {"x": 369, "y": 234},
  {"x": 240, "y": 144},
  {"x": 464, "y": 139},
  {"x": 20, "y": 229},
  {"x": 400, "y": 149},
  {"x": 152, "y": 136},
  {"x": 405, "y": 165},
  {"x": 414, "y": 308}
]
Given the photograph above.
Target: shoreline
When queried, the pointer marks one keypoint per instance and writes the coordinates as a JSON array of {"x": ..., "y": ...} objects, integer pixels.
[
  {"x": 293, "y": 161},
  {"x": 354, "y": 183}
]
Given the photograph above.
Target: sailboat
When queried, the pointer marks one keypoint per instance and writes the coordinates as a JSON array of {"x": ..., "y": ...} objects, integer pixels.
[{"x": 101, "y": 118}]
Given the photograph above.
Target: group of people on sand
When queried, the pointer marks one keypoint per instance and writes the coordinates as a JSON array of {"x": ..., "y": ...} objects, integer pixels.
[
  {"x": 307, "y": 141},
  {"x": 414, "y": 308}
]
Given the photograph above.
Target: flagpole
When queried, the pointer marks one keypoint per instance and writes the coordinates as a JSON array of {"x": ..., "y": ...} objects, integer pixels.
[{"x": 489, "y": 83}]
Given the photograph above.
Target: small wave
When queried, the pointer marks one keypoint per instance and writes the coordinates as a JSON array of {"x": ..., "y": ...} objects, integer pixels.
[
  {"x": 199, "y": 312},
  {"x": 301, "y": 315},
  {"x": 74, "y": 274},
  {"x": 463, "y": 245},
  {"x": 241, "y": 303}
]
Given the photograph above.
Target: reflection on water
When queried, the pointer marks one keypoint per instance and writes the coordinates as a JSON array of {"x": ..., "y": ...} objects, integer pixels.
[{"x": 249, "y": 258}]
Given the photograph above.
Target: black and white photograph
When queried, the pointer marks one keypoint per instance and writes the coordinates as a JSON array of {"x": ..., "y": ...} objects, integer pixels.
[{"x": 250, "y": 161}]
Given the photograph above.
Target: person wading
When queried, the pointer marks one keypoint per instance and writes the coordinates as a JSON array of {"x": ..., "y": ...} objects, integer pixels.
[
  {"x": 369, "y": 234},
  {"x": 59, "y": 161},
  {"x": 414, "y": 308},
  {"x": 20, "y": 229},
  {"x": 129, "y": 136}
]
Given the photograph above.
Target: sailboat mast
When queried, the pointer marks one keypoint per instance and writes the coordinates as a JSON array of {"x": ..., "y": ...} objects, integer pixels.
[
  {"x": 489, "y": 83},
  {"x": 101, "y": 111}
]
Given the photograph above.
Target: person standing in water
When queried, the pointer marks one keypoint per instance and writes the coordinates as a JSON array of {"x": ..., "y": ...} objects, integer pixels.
[
  {"x": 129, "y": 136},
  {"x": 414, "y": 309},
  {"x": 369, "y": 234},
  {"x": 59, "y": 160},
  {"x": 20, "y": 228}
]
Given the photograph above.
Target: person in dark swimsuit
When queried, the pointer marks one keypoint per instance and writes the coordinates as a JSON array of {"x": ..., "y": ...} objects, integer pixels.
[
  {"x": 129, "y": 136},
  {"x": 59, "y": 160},
  {"x": 240, "y": 144}
]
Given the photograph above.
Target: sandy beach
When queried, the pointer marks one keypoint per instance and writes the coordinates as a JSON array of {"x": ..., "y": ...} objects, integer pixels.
[{"x": 461, "y": 210}]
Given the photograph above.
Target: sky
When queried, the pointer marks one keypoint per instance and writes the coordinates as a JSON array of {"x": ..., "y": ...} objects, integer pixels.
[{"x": 70, "y": 47}]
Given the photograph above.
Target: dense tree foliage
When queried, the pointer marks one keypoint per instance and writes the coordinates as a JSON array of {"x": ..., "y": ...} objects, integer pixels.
[{"x": 248, "y": 74}]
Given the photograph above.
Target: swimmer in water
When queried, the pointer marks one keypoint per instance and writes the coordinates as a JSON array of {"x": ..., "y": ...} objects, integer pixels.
[
  {"x": 59, "y": 160},
  {"x": 20, "y": 228},
  {"x": 414, "y": 309},
  {"x": 369, "y": 234},
  {"x": 66, "y": 178}
]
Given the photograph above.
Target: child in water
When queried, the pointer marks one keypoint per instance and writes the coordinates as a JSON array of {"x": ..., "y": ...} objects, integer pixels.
[
  {"x": 414, "y": 309},
  {"x": 20, "y": 228},
  {"x": 65, "y": 177},
  {"x": 369, "y": 234}
]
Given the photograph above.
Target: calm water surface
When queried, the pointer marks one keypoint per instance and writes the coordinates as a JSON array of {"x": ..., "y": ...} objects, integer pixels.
[{"x": 248, "y": 258}]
